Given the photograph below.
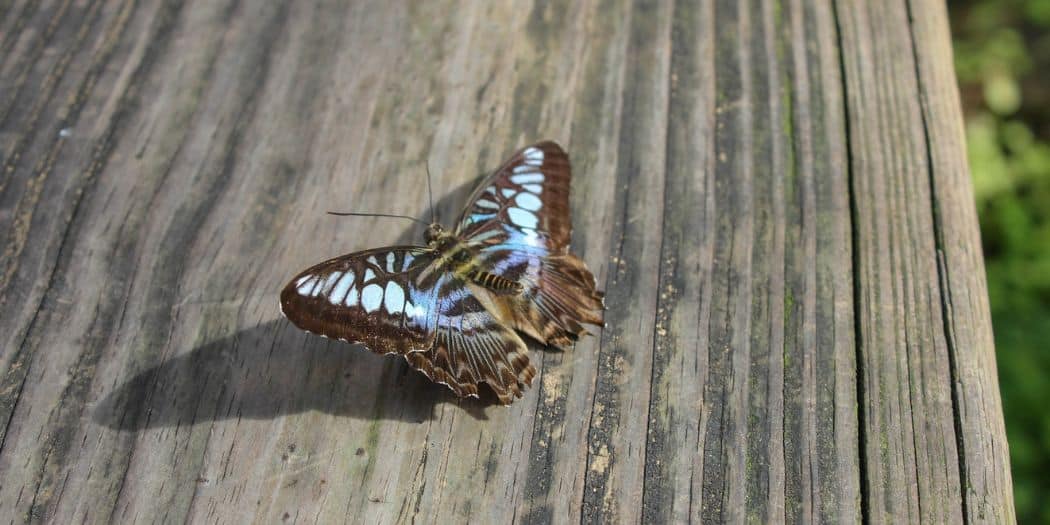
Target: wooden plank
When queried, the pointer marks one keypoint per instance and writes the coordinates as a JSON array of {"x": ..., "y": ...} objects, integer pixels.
[
  {"x": 984, "y": 461},
  {"x": 772, "y": 194},
  {"x": 909, "y": 164}
]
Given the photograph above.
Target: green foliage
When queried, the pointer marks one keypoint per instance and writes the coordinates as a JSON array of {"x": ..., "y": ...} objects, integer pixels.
[
  {"x": 1023, "y": 362},
  {"x": 1002, "y": 55}
]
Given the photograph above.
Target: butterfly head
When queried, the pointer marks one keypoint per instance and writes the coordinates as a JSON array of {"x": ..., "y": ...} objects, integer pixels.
[{"x": 435, "y": 234}]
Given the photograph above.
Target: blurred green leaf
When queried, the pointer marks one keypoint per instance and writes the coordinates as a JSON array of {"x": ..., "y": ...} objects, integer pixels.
[
  {"x": 987, "y": 163},
  {"x": 1038, "y": 11},
  {"x": 1002, "y": 59},
  {"x": 1001, "y": 93}
]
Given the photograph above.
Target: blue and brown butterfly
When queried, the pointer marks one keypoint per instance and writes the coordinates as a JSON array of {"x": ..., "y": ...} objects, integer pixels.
[{"x": 453, "y": 308}]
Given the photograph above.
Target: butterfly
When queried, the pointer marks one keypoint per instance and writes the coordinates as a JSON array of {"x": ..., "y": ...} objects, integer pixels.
[{"x": 455, "y": 307}]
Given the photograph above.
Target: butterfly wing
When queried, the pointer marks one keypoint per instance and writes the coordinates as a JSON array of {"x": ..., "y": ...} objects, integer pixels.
[
  {"x": 525, "y": 202},
  {"x": 368, "y": 297},
  {"x": 472, "y": 346},
  {"x": 518, "y": 220},
  {"x": 399, "y": 300}
]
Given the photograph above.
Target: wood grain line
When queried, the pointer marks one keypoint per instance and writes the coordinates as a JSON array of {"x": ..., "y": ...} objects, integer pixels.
[
  {"x": 614, "y": 473},
  {"x": 32, "y": 59},
  {"x": 21, "y": 20}
]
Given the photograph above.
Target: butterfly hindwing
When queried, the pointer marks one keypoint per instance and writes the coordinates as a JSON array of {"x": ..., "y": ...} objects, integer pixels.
[
  {"x": 472, "y": 346},
  {"x": 559, "y": 293}
]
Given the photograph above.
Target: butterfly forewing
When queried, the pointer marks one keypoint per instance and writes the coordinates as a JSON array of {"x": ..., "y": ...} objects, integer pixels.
[
  {"x": 399, "y": 300},
  {"x": 525, "y": 202},
  {"x": 368, "y": 297}
]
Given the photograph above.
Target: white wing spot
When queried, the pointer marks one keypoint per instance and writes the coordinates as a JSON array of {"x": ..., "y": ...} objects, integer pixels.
[
  {"x": 534, "y": 162},
  {"x": 306, "y": 286},
  {"x": 531, "y": 238},
  {"x": 534, "y": 154},
  {"x": 408, "y": 261},
  {"x": 491, "y": 189},
  {"x": 485, "y": 203},
  {"x": 526, "y": 178},
  {"x": 394, "y": 298},
  {"x": 534, "y": 188},
  {"x": 508, "y": 193},
  {"x": 372, "y": 259},
  {"x": 351, "y": 298},
  {"x": 479, "y": 217},
  {"x": 328, "y": 283},
  {"x": 522, "y": 218},
  {"x": 412, "y": 310},
  {"x": 371, "y": 297},
  {"x": 390, "y": 262},
  {"x": 369, "y": 275},
  {"x": 528, "y": 201},
  {"x": 341, "y": 288},
  {"x": 484, "y": 236},
  {"x": 523, "y": 169}
]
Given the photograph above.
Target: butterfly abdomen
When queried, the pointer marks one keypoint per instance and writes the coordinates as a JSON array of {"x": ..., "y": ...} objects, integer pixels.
[
  {"x": 464, "y": 263},
  {"x": 496, "y": 283}
]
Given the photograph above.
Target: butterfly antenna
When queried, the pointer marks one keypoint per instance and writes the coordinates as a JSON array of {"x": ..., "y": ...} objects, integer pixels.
[
  {"x": 355, "y": 214},
  {"x": 430, "y": 195}
]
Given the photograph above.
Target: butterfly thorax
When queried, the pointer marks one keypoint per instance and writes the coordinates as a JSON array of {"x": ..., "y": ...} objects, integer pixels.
[
  {"x": 457, "y": 257},
  {"x": 436, "y": 233},
  {"x": 453, "y": 254}
]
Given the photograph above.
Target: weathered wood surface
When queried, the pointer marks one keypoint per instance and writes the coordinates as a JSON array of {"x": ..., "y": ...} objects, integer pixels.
[{"x": 773, "y": 193}]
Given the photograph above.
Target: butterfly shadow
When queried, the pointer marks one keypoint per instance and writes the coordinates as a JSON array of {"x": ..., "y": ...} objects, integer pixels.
[
  {"x": 274, "y": 369},
  {"x": 271, "y": 370}
]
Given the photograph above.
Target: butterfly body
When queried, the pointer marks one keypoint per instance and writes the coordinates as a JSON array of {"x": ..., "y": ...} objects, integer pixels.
[
  {"x": 456, "y": 256},
  {"x": 452, "y": 308}
]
